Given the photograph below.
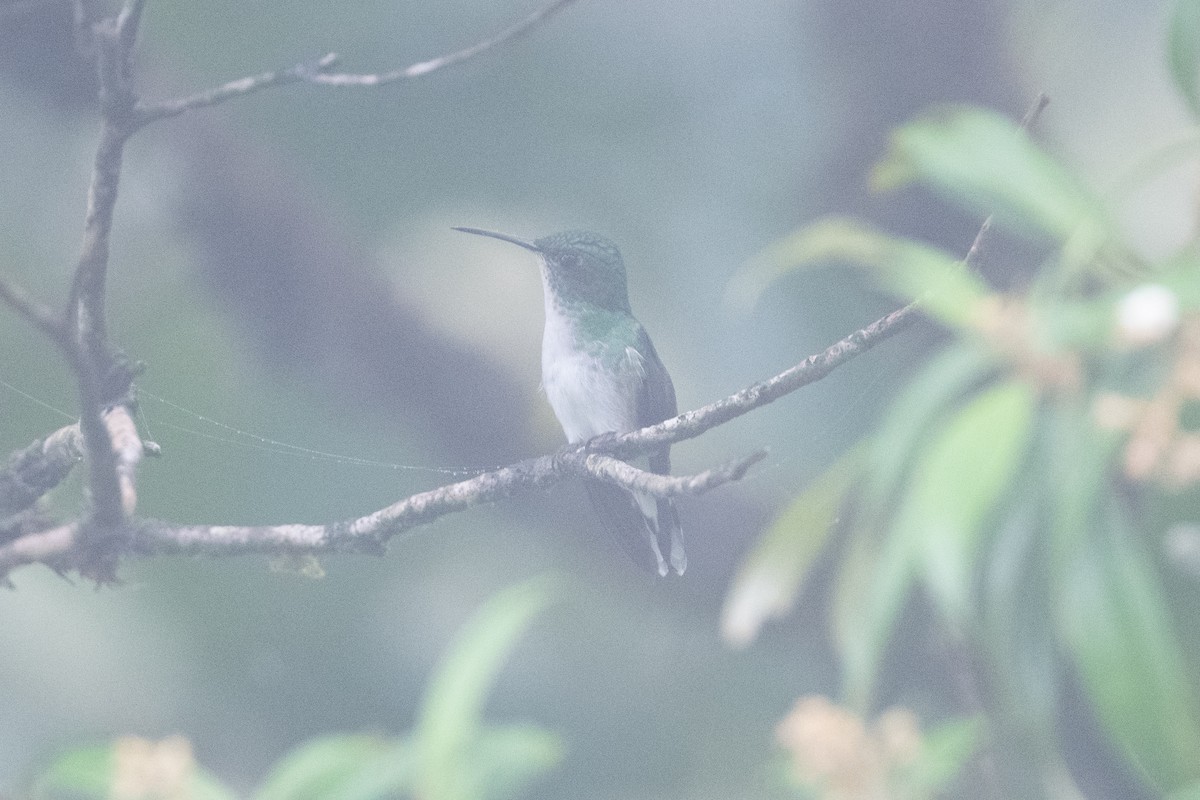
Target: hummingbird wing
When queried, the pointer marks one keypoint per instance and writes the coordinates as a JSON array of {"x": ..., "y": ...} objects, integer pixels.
[
  {"x": 656, "y": 402},
  {"x": 655, "y": 398},
  {"x": 647, "y": 528}
]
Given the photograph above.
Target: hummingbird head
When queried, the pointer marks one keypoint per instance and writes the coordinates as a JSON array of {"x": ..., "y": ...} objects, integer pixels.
[{"x": 576, "y": 266}]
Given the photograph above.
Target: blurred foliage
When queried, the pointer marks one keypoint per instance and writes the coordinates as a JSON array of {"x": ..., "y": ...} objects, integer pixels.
[
  {"x": 1183, "y": 52},
  {"x": 1032, "y": 482},
  {"x": 452, "y": 755}
]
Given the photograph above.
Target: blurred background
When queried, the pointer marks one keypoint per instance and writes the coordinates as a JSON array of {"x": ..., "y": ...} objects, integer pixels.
[{"x": 284, "y": 265}]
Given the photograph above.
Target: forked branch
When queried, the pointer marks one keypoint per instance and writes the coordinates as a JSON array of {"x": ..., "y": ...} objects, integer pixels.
[{"x": 103, "y": 376}]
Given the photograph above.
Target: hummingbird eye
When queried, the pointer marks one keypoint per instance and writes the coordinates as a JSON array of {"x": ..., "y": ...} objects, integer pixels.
[{"x": 570, "y": 260}]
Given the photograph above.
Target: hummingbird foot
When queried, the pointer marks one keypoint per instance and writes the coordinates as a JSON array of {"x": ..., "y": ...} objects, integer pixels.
[{"x": 601, "y": 441}]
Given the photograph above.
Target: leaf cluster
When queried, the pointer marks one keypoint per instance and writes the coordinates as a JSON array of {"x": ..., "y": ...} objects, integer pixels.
[
  {"x": 1026, "y": 484},
  {"x": 452, "y": 754}
]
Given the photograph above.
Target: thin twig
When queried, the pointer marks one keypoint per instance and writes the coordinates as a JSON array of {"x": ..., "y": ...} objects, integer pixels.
[
  {"x": 691, "y": 424},
  {"x": 434, "y": 64},
  {"x": 1034, "y": 111},
  {"x": 316, "y": 72},
  {"x": 84, "y": 15},
  {"x": 625, "y": 475},
  {"x": 1031, "y": 114},
  {"x": 128, "y": 20},
  {"x": 151, "y": 112},
  {"x": 40, "y": 316}
]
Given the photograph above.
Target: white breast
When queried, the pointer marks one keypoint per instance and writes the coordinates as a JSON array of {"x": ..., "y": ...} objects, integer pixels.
[{"x": 587, "y": 400}]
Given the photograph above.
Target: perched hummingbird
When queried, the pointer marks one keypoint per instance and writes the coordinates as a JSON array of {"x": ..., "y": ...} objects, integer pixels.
[{"x": 602, "y": 375}]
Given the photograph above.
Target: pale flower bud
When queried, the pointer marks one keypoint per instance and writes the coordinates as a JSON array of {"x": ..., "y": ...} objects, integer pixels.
[{"x": 1147, "y": 315}]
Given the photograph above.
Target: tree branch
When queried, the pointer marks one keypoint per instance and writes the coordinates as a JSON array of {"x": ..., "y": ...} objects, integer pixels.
[
  {"x": 625, "y": 475},
  {"x": 52, "y": 547},
  {"x": 109, "y": 439},
  {"x": 316, "y": 72},
  {"x": 35, "y": 470},
  {"x": 83, "y": 334},
  {"x": 96, "y": 368},
  {"x": 368, "y": 534},
  {"x": 691, "y": 424}
]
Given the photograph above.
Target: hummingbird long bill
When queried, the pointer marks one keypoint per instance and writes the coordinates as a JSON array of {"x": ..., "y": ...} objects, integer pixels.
[{"x": 602, "y": 375}]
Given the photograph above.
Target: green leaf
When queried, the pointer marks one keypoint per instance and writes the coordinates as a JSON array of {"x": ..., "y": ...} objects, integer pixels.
[
  {"x": 922, "y": 404},
  {"x": 954, "y": 486},
  {"x": 905, "y": 267},
  {"x": 872, "y": 588},
  {"x": 1017, "y": 637},
  {"x": 1136, "y": 175},
  {"x": 392, "y": 773},
  {"x": 979, "y": 160},
  {"x": 332, "y": 765},
  {"x": 1183, "y": 51},
  {"x": 772, "y": 574},
  {"x": 452, "y": 756},
  {"x": 944, "y": 752},
  {"x": 1073, "y": 325},
  {"x": 1179, "y": 275},
  {"x": 506, "y": 760},
  {"x": 1191, "y": 792},
  {"x": 450, "y": 722},
  {"x": 877, "y": 571},
  {"x": 958, "y": 481},
  {"x": 1120, "y": 633},
  {"x": 1079, "y": 460},
  {"x": 203, "y": 785},
  {"x": 86, "y": 771}
]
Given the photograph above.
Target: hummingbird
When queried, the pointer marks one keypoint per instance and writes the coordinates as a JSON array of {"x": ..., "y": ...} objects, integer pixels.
[{"x": 602, "y": 376}]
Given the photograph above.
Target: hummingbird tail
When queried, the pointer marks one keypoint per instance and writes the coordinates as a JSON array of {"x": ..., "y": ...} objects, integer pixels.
[
  {"x": 646, "y": 528},
  {"x": 668, "y": 521}
]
